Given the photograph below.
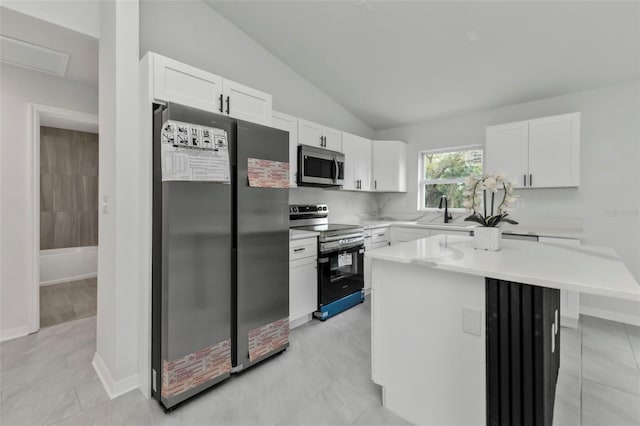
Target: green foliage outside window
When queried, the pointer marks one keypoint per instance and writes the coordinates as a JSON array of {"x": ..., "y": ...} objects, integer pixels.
[{"x": 444, "y": 174}]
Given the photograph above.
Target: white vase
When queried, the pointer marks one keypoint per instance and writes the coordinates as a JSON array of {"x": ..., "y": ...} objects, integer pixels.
[{"x": 487, "y": 238}]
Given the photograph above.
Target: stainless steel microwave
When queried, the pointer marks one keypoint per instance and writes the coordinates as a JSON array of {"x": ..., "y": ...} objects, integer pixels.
[{"x": 320, "y": 167}]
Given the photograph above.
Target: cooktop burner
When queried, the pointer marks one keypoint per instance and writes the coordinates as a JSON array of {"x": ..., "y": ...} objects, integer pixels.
[{"x": 315, "y": 217}]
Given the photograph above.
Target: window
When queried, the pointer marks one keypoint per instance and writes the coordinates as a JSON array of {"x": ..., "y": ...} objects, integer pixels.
[{"x": 443, "y": 173}]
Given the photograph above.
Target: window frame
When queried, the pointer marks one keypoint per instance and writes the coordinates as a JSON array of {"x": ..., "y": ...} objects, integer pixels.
[{"x": 423, "y": 182}]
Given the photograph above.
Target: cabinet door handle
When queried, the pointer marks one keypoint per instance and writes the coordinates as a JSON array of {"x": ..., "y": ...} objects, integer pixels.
[
  {"x": 375, "y": 184},
  {"x": 221, "y": 106},
  {"x": 228, "y": 105},
  {"x": 299, "y": 249},
  {"x": 381, "y": 235},
  {"x": 530, "y": 180},
  {"x": 524, "y": 179}
]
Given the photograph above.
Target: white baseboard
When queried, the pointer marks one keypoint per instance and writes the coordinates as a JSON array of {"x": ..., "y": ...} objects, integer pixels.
[
  {"x": 113, "y": 388},
  {"x": 568, "y": 322},
  {"x": 13, "y": 333},
  {"x": 69, "y": 279},
  {"x": 610, "y": 315},
  {"x": 293, "y": 323}
]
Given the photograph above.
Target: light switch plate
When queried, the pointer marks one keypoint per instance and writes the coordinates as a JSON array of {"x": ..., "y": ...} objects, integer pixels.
[{"x": 472, "y": 320}]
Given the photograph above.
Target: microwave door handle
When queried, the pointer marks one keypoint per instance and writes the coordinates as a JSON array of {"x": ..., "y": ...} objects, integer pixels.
[{"x": 335, "y": 169}]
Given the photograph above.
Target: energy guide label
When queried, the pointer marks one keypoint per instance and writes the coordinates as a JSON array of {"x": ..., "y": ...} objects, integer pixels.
[{"x": 190, "y": 152}]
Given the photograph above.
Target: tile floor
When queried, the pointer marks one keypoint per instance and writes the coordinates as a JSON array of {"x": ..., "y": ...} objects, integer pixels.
[
  {"x": 67, "y": 301},
  {"x": 324, "y": 378}
]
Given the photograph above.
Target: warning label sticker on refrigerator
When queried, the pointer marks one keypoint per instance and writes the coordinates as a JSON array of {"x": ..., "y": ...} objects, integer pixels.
[
  {"x": 268, "y": 338},
  {"x": 190, "y": 152}
]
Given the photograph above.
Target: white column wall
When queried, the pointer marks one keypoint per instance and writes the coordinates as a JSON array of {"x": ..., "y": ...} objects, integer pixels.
[{"x": 118, "y": 277}]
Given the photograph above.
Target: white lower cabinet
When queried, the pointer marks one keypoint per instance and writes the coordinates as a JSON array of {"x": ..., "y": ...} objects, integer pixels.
[
  {"x": 569, "y": 300},
  {"x": 303, "y": 281},
  {"x": 374, "y": 238}
]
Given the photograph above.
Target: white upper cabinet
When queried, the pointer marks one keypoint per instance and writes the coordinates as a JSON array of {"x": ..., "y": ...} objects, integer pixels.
[
  {"x": 506, "y": 151},
  {"x": 357, "y": 168},
  {"x": 332, "y": 139},
  {"x": 389, "y": 166},
  {"x": 554, "y": 151},
  {"x": 540, "y": 153},
  {"x": 289, "y": 124},
  {"x": 173, "y": 81},
  {"x": 245, "y": 103},
  {"x": 314, "y": 134}
]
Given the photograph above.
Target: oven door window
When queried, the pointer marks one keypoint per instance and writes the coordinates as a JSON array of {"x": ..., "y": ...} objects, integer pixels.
[
  {"x": 340, "y": 274},
  {"x": 344, "y": 265}
]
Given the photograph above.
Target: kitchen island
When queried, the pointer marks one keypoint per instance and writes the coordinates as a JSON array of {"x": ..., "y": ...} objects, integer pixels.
[{"x": 462, "y": 336}]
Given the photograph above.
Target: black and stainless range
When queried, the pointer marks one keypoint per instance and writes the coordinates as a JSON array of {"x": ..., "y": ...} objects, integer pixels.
[{"x": 340, "y": 258}]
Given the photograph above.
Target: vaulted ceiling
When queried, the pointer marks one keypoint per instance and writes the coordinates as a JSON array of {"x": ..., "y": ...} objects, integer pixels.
[{"x": 394, "y": 62}]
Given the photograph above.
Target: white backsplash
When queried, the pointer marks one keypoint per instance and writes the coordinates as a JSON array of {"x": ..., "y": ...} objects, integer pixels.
[{"x": 344, "y": 206}]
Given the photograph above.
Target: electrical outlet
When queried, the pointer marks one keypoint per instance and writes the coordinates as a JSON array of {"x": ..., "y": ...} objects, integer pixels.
[{"x": 472, "y": 320}]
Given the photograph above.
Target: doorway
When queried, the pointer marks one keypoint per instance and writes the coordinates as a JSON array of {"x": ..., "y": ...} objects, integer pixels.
[{"x": 65, "y": 190}]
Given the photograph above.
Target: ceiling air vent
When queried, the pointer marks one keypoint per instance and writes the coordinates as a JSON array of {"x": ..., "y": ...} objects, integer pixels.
[{"x": 33, "y": 57}]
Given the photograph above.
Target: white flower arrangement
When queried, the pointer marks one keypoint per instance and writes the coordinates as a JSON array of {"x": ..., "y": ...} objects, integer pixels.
[{"x": 475, "y": 194}]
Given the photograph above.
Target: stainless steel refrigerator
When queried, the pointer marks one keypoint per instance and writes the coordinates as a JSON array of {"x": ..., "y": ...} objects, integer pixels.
[{"x": 220, "y": 294}]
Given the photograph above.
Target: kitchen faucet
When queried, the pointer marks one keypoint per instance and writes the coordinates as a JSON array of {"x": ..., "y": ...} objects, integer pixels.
[{"x": 447, "y": 215}]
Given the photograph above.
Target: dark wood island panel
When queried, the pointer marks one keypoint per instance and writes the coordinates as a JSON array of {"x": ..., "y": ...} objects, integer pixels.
[{"x": 523, "y": 353}]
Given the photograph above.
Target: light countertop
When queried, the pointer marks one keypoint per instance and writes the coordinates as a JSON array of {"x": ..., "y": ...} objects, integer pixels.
[
  {"x": 585, "y": 269},
  {"x": 467, "y": 226},
  {"x": 296, "y": 234}
]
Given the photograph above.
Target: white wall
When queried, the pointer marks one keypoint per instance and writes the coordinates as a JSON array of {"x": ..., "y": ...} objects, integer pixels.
[
  {"x": 194, "y": 33},
  {"x": 116, "y": 358},
  {"x": 344, "y": 206},
  {"x": 607, "y": 203},
  {"x": 20, "y": 87},
  {"x": 82, "y": 16}
]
